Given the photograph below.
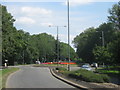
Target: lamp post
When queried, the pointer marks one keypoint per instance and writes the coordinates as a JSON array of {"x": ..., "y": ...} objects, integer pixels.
[
  {"x": 103, "y": 41},
  {"x": 102, "y": 38},
  {"x": 68, "y": 36},
  {"x": 57, "y": 42}
]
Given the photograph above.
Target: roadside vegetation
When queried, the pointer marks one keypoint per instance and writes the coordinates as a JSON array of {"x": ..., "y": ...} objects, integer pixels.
[
  {"x": 113, "y": 71},
  {"x": 4, "y": 74},
  {"x": 0, "y": 79},
  {"x": 18, "y": 44},
  {"x": 100, "y": 45},
  {"x": 60, "y": 65},
  {"x": 84, "y": 75}
]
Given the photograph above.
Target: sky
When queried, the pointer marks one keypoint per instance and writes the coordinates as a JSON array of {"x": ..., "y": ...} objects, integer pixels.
[{"x": 36, "y": 16}]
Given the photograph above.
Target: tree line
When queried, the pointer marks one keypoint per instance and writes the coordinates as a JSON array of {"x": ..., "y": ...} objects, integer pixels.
[
  {"x": 19, "y": 47},
  {"x": 102, "y": 44}
]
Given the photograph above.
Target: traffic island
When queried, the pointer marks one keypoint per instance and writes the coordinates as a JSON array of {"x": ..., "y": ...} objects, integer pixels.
[{"x": 82, "y": 84}]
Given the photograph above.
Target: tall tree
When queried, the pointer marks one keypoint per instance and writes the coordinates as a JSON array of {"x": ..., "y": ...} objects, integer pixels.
[
  {"x": 115, "y": 15},
  {"x": 8, "y": 34}
]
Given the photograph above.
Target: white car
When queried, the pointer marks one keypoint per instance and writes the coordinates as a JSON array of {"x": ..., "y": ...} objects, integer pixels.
[{"x": 87, "y": 67}]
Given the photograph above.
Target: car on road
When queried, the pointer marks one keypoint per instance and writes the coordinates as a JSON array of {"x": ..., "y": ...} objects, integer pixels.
[{"x": 86, "y": 67}]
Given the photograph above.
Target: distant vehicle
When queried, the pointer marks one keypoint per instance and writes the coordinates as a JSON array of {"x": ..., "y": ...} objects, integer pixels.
[
  {"x": 38, "y": 62},
  {"x": 94, "y": 65},
  {"x": 86, "y": 67}
]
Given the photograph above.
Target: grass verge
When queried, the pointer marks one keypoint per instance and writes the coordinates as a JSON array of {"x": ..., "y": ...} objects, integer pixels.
[
  {"x": 85, "y": 75},
  {"x": 111, "y": 71},
  {"x": 4, "y": 74},
  {"x": 60, "y": 65}
]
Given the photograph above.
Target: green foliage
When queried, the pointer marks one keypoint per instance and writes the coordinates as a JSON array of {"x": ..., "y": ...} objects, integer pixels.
[
  {"x": 110, "y": 70},
  {"x": 19, "y": 47},
  {"x": 78, "y": 60},
  {"x": 84, "y": 44},
  {"x": 5, "y": 73},
  {"x": 114, "y": 48},
  {"x": 61, "y": 69},
  {"x": 115, "y": 15},
  {"x": 85, "y": 75},
  {"x": 64, "y": 51},
  {"x": 89, "y": 43},
  {"x": 102, "y": 55},
  {"x": 89, "y": 76}
]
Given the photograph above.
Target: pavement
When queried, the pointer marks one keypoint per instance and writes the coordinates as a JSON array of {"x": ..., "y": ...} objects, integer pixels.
[{"x": 35, "y": 77}]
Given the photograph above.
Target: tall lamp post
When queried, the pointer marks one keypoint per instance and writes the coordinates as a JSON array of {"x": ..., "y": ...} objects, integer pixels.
[
  {"x": 102, "y": 38},
  {"x": 57, "y": 42},
  {"x": 68, "y": 36},
  {"x": 103, "y": 41}
]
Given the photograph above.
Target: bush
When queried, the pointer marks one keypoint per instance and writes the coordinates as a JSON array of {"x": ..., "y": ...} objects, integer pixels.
[
  {"x": 105, "y": 77},
  {"x": 61, "y": 69},
  {"x": 89, "y": 76}
]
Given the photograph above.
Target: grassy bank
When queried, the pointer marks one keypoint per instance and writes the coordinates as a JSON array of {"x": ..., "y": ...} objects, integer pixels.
[
  {"x": 4, "y": 74},
  {"x": 110, "y": 70},
  {"x": 60, "y": 65},
  {"x": 85, "y": 75}
]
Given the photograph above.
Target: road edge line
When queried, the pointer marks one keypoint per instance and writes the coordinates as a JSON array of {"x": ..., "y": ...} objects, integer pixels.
[
  {"x": 67, "y": 81},
  {"x": 10, "y": 76}
]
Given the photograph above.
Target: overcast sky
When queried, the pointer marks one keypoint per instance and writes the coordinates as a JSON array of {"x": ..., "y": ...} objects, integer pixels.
[{"x": 34, "y": 17}]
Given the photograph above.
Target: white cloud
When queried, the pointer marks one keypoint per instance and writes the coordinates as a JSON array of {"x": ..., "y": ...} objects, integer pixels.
[
  {"x": 64, "y": 37},
  {"x": 56, "y": 0},
  {"x": 46, "y": 24},
  {"x": 31, "y": 15},
  {"x": 35, "y": 11},
  {"x": 82, "y": 2},
  {"x": 78, "y": 2},
  {"x": 25, "y": 20}
]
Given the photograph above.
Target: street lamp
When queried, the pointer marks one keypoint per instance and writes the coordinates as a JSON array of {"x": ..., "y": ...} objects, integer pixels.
[
  {"x": 68, "y": 36},
  {"x": 103, "y": 41},
  {"x": 102, "y": 38},
  {"x": 57, "y": 42}
]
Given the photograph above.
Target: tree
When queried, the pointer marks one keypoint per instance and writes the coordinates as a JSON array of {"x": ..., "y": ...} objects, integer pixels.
[
  {"x": 114, "y": 48},
  {"x": 102, "y": 55},
  {"x": 114, "y": 18},
  {"x": 8, "y": 36},
  {"x": 115, "y": 15},
  {"x": 85, "y": 43},
  {"x": 64, "y": 52},
  {"x": 20, "y": 47}
]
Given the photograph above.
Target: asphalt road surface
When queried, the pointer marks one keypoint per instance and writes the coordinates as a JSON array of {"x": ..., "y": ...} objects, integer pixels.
[{"x": 34, "y": 77}]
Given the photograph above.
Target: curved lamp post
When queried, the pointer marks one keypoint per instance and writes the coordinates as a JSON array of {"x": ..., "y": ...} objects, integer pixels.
[{"x": 57, "y": 42}]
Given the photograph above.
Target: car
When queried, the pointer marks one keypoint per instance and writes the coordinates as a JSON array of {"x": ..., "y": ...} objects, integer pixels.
[
  {"x": 86, "y": 67},
  {"x": 94, "y": 65}
]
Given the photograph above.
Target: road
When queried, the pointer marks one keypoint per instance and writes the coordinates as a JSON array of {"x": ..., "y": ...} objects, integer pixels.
[{"x": 34, "y": 77}]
